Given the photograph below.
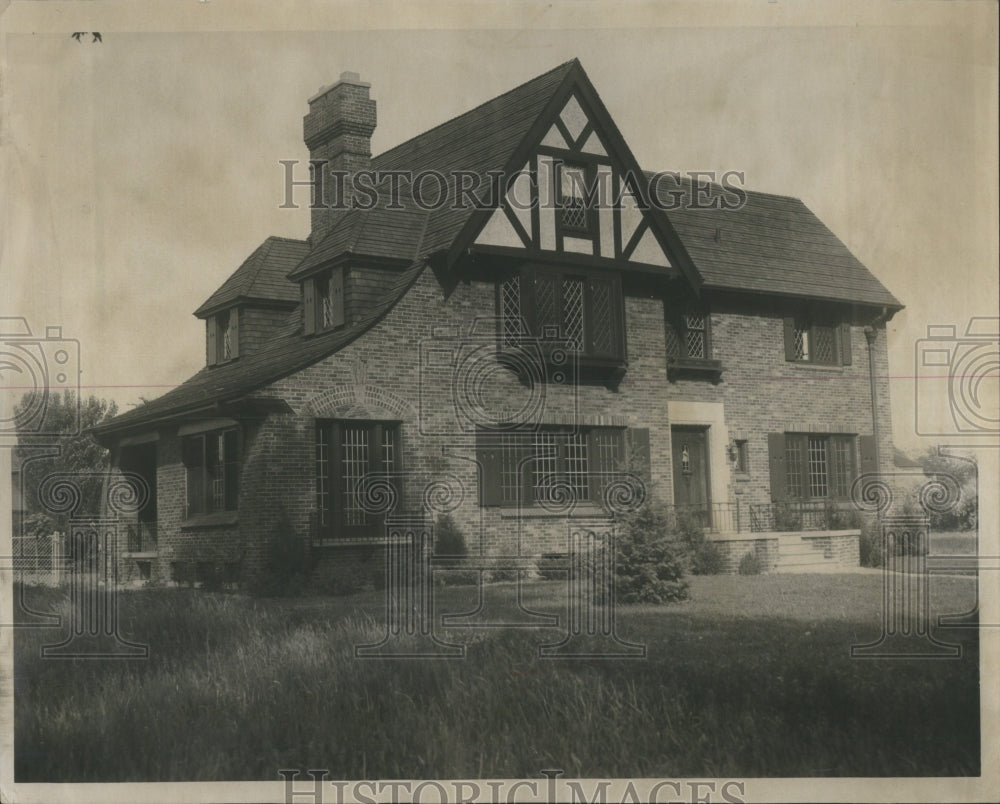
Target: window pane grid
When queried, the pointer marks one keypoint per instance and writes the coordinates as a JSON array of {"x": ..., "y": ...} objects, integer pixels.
[
  {"x": 602, "y": 329},
  {"x": 793, "y": 467},
  {"x": 572, "y": 297},
  {"x": 800, "y": 340},
  {"x": 609, "y": 446},
  {"x": 388, "y": 449},
  {"x": 323, "y": 474},
  {"x": 817, "y": 468},
  {"x": 576, "y": 466},
  {"x": 510, "y": 311},
  {"x": 841, "y": 467},
  {"x": 354, "y": 465},
  {"x": 511, "y": 452},
  {"x": 824, "y": 349},
  {"x": 546, "y": 462}
]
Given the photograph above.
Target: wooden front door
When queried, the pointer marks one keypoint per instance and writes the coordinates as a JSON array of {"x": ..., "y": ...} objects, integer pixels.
[{"x": 691, "y": 472}]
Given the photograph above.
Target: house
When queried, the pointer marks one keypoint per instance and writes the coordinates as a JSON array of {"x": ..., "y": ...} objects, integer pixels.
[{"x": 496, "y": 319}]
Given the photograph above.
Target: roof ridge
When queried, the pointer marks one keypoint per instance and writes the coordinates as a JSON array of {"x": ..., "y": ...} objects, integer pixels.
[{"x": 546, "y": 74}]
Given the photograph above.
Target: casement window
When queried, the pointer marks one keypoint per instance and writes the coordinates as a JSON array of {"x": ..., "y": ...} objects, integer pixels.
[
  {"x": 579, "y": 306},
  {"x": 323, "y": 301},
  {"x": 742, "y": 452},
  {"x": 347, "y": 451},
  {"x": 212, "y": 463},
  {"x": 818, "y": 341},
  {"x": 553, "y": 464},
  {"x": 576, "y": 218},
  {"x": 222, "y": 331},
  {"x": 689, "y": 335},
  {"x": 817, "y": 466}
]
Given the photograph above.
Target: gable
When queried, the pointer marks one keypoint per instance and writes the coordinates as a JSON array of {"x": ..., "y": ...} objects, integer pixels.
[{"x": 577, "y": 158}]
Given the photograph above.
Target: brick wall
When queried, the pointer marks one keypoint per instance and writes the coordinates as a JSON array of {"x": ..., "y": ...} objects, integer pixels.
[{"x": 379, "y": 376}]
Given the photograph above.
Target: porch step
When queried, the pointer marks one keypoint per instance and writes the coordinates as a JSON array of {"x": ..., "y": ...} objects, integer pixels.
[{"x": 796, "y": 554}]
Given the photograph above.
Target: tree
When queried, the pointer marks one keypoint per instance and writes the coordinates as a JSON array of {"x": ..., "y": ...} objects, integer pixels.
[
  {"x": 964, "y": 472},
  {"x": 72, "y": 450}
]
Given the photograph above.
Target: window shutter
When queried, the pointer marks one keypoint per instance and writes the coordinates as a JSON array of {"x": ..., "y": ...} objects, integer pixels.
[
  {"x": 234, "y": 331},
  {"x": 637, "y": 444},
  {"x": 776, "y": 461},
  {"x": 789, "y": 338},
  {"x": 488, "y": 455},
  {"x": 845, "y": 344},
  {"x": 309, "y": 306},
  {"x": 337, "y": 297},
  {"x": 866, "y": 448},
  {"x": 211, "y": 351}
]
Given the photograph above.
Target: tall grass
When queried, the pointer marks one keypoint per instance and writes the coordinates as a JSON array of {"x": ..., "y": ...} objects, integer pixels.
[{"x": 237, "y": 688}]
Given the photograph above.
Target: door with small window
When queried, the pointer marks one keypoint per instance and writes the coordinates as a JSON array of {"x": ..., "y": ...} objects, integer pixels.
[
  {"x": 348, "y": 453},
  {"x": 691, "y": 477}
]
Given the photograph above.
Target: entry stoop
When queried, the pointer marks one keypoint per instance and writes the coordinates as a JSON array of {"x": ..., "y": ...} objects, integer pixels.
[{"x": 817, "y": 552}]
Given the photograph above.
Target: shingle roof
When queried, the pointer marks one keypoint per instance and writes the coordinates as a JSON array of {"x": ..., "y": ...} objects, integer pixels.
[
  {"x": 262, "y": 276},
  {"x": 283, "y": 355},
  {"x": 771, "y": 244}
]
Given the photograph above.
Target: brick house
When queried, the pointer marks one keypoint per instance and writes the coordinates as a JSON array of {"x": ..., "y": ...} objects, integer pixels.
[{"x": 562, "y": 320}]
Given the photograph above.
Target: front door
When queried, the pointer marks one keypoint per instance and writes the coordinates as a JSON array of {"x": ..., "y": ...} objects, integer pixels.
[{"x": 691, "y": 475}]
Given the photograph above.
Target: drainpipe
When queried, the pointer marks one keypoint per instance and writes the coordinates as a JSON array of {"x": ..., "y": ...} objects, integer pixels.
[{"x": 871, "y": 333}]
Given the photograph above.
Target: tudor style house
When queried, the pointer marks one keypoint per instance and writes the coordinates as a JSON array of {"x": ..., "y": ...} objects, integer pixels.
[{"x": 561, "y": 319}]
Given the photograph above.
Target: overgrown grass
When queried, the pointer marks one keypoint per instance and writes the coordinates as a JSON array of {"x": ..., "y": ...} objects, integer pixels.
[{"x": 752, "y": 677}]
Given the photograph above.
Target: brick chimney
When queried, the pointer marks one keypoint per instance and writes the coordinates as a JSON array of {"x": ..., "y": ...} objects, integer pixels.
[{"x": 338, "y": 129}]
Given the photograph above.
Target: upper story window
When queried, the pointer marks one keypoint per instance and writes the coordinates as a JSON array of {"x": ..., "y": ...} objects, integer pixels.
[
  {"x": 223, "y": 336},
  {"x": 575, "y": 216},
  {"x": 811, "y": 339},
  {"x": 579, "y": 306},
  {"x": 323, "y": 301},
  {"x": 688, "y": 335},
  {"x": 212, "y": 464}
]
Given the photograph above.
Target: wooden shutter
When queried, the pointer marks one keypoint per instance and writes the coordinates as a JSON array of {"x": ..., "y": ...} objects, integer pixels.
[
  {"x": 776, "y": 462},
  {"x": 637, "y": 446},
  {"x": 789, "y": 338},
  {"x": 845, "y": 344},
  {"x": 337, "y": 297},
  {"x": 211, "y": 352},
  {"x": 234, "y": 331},
  {"x": 309, "y": 306},
  {"x": 867, "y": 450},
  {"x": 488, "y": 455}
]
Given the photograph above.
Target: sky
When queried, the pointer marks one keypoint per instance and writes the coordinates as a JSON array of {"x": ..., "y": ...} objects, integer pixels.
[{"x": 141, "y": 170}]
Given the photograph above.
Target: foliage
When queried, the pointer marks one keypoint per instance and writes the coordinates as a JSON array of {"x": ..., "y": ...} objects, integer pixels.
[
  {"x": 840, "y": 517},
  {"x": 965, "y": 473},
  {"x": 650, "y": 564},
  {"x": 449, "y": 542},
  {"x": 870, "y": 543},
  {"x": 552, "y": 567},
  {"x": 703, "y": 557},
  {"x": 750, "y": 564},
  {"x": 289, "y": 560},
  {"x": 787, "y": 517},
  {"x": 70, "y": 416}
]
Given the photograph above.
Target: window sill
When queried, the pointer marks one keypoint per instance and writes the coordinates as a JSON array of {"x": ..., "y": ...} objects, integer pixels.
[
  {"x": 213, "y": 520},
  {"x": 800, "y": 364},
  {"x": 538, "y": 512},
  {"x": 695, "y": 367},
  {"x": 741, "y": 477}
]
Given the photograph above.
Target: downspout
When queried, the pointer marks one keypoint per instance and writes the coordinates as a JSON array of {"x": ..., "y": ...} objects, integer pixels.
[{"x": 871, "y": 333}]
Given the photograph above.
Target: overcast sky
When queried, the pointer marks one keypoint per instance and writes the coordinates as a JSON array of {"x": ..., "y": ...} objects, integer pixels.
[{"x": 140, "y": 171}]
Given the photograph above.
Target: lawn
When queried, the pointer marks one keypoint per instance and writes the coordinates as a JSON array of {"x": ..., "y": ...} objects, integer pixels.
[{"x": 750, "y": 678}]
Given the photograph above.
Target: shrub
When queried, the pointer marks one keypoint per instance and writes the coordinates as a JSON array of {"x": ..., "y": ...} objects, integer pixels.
[
  {"x": 650, "y": 565},
  {"x": 750, "y": 564},
  {"x": 703, "y": 557},
  {"x": 839, "y": 517},
  {"x": 786, "y": 517},
  {"x": 289, "y": 560},
  {"x": 870, "y": 543},
  {"x": 449, "y": 542},
  {"x": 551, "y": 567}
]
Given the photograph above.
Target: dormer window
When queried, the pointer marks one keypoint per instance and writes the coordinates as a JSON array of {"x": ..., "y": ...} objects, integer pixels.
[
  {"x": 223, "y": 336},
  {"x": 323, "y": 301}
]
